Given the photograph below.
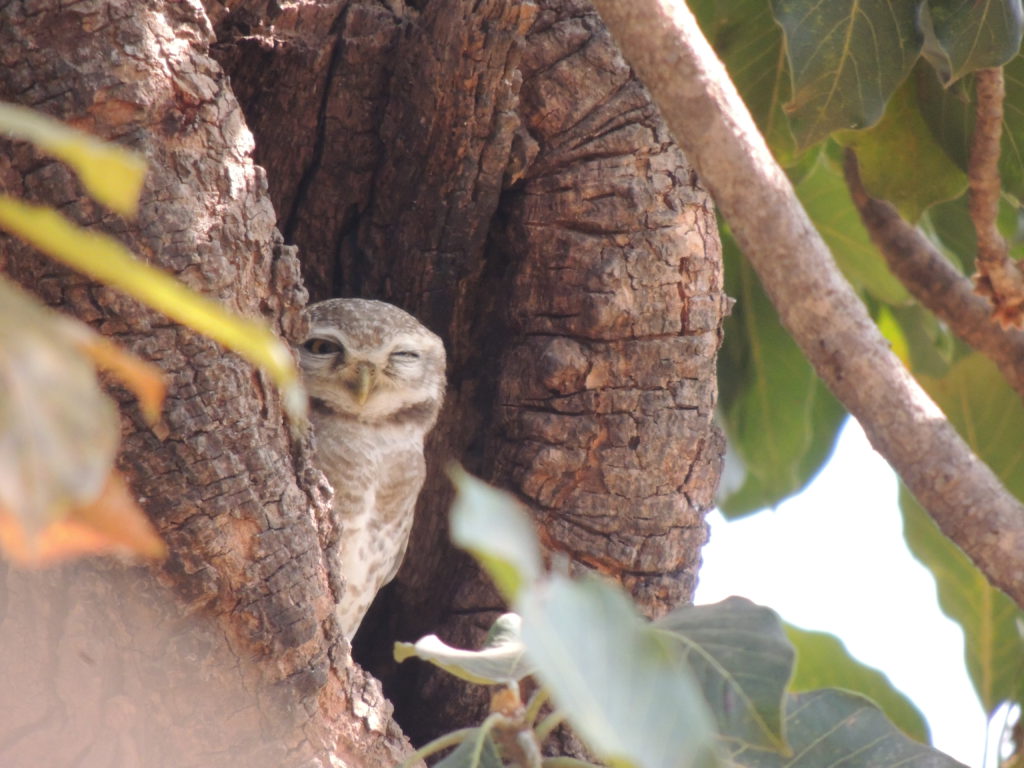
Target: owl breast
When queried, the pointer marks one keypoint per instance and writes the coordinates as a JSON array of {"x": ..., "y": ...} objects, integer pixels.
[
  {"x": 376, "y": 474},
  {"x": 376, "y": 380}
]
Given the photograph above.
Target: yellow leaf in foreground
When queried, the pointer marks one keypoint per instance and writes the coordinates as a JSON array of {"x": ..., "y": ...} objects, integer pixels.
[
  {"x": 107, "y": 260},
  {"x": 112, "y": 524},
  {"x": 112, "y": 174}
]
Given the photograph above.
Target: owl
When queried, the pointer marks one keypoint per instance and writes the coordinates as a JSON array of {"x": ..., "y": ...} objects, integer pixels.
[{"x": 376, "y": 380}]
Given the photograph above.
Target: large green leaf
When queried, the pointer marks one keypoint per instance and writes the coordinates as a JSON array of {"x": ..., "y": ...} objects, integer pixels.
[
  {"x": 780, "y": 419},
  {"x": 822, "y": 661},
  {"x": 950, "y": 227},
  {"x": 742, "y": 659},
  {"x": 618, "y": 679},
  {"x": 846, "y": 58},
  {"x": 502, "y": 659},
  {"x": 964, "y": 35},
  {"x": 767, "y": 395},
  {"x": 824, "y": 195},
  {"x": 949, "y": 113},
  {"x": 900, "y": 160},
  {"x": 836, "y": 728},
  {"x": 989, "y": 416},
  {"x": 477, "y": 750},
  {"x": 1011, "y": 161},
  {"x": 750, "y": 45},
  {"x": 495, "y": 528}
]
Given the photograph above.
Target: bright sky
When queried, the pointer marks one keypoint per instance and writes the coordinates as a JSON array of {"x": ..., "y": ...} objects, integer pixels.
[{"x": 833, "y": 559}]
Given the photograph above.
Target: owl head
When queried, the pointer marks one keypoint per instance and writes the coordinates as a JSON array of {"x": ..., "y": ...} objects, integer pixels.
[{"x": 371, "y": 361}]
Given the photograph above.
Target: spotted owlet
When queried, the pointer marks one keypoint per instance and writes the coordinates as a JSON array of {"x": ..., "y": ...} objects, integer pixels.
[{"x": 375, "y": 378}]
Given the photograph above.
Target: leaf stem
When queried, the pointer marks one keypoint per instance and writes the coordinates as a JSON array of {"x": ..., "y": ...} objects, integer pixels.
[
  {"x": 547, "y": 725},
  {"x": 441, "y": 742},
  {"x": 534, "y": 705}
]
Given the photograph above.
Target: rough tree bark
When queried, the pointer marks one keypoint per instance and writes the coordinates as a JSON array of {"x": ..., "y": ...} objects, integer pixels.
[{"x": 493, "y": 167}]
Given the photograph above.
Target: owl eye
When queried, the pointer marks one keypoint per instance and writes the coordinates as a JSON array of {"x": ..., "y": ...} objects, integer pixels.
[
  {"x": 405, "y": 355},
  {"x": 323, "y": 347}
]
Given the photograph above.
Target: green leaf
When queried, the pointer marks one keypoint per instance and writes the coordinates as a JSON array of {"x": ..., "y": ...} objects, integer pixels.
[
  {"x": 949, "y": 113},
  {"x": 742, "y": 659},
  {"x": 824, "y": 195},
  {"x": 988, "y": 414},
  {"x": 112, "y": 174},
  {"x": 780, "y": 419},
  {"x": 107, "y": 260},
  {"x": 477, "y": 750},
  {"x": 836, "y": 728},
  {"x": 846, "y": 58},
  {"x": 501, "y": 659},
  {"x": 58, "y": 430},
  {"x": 900, "y": 160},
  {"x": 964, "y": 35},
  {"x": 924, "y": 344},
  {"x": 495, "y": 528},
  {"x": 1011, "y": 159},
  {"x": 750, "y": 45},
  {"x": 618, "y": 679},
  {"x": 822, "y": 661}
]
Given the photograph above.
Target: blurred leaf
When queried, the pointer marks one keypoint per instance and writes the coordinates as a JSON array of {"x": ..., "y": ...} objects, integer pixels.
[
  {"x": 742, "y": 660},
  {"x": 846, "y": 58},
  {"x": 824, "y": 195},
  {"x": 949, "y": 113},
  {"x": 988, "y": 415},
  {"x": 781, "y": 420},
  {"x": 618, "y": 679},
  {"x": 145, "y": 380},
  {"x": 836, "y": 728},
  {"x": 949, "y": 226},
  {"x": 1011, "y": 159},
  {"x": 494, "y": 527},
  {"x": 501, "y": 660},
  {"x": 961, "y": 37},
  {"x": 58, "y": 430},
  {"x": 476, "y": 751},
  {"x": 111, "y": 524},
  {"x": 107, "y": 260},
  {"x": 112, "y": 175},
  {"x": 923, "y": 344},
  {"x": 900, "y": 160},
  {"x": 822, "y": 661},
  {"x": 750, "y": 45}
]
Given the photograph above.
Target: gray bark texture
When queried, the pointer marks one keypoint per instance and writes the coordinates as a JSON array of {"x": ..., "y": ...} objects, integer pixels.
[{"x": 493, "y": 167}]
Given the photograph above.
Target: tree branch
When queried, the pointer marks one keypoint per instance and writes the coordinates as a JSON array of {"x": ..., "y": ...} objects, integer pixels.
[
  {"x": 663, "y": 43},
  {"x": 936, "y": 283},
  {"x": 998, "y": 276}
]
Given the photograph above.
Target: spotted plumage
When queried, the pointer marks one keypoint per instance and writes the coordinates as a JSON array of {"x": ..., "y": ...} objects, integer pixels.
[{"x": 375, "y": 378}]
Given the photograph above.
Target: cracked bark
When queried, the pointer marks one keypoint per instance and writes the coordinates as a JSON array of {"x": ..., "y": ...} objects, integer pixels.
[
  {"x": 226, "y": 655},
  {"x": 522, "y": 196},
  {"x": 493, "y": 167}
]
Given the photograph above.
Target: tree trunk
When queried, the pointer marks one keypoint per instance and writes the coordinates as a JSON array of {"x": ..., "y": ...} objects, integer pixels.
[{"x": 491, "y": 166}]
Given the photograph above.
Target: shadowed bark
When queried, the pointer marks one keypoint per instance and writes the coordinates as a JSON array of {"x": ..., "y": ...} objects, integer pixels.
[
  {"x": 492, "y": 167},
  {"x": 522, "y": 196}
]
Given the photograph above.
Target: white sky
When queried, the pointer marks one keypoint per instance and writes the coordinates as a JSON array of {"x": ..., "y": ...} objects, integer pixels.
[{"x": 833, "y": 559}]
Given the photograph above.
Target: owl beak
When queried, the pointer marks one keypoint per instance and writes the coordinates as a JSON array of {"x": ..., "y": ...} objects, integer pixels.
[{"x": 366, "y": 377}]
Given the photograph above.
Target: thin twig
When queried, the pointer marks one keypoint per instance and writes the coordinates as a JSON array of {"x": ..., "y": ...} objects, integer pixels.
[
  {"x": 661, "y": 40},
  {"x": 998, "y": 277},
  {"x": 936, "y": 283}
]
